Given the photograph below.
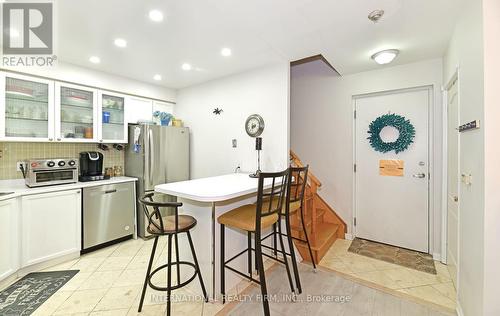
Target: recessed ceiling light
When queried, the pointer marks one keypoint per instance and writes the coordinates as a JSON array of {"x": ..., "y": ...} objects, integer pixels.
[
  {"x": 120, "y": 42},
  {"x": 157, "y": 77},
  {"x": 94, "y": 59},
  {"x": 385, "y": 56},
  {"x": 156, "y": 15},
  {"x": 186, "y": 66},
  {"x": 226, "y": 52}
]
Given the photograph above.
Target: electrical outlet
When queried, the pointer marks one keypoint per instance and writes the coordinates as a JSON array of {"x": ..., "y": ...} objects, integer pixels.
[
  {"x": 19, "y": 164},
  {"x": 235, "y": 143}
]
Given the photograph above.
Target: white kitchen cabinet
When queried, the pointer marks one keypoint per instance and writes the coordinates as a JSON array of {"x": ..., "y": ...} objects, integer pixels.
[
  {"x": 51, "y": 226},
  {"x": 111, "y": 117},
  {"x": 75, "y": 113},
  {"x": 26, "y": 108},
  {"x": 139, "y": 109},
  {"x": 9, "y": 238},
  {"x": 163, "y": 107}
]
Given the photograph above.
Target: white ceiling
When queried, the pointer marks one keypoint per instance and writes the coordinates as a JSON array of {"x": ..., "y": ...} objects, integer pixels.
[{"x": 259, "y": 32}]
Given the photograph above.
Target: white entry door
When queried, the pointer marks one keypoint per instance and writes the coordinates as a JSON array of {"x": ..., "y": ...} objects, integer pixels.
[{"x": 393, "y": 209}]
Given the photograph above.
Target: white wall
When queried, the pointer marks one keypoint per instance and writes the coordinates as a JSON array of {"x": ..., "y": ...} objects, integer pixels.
[
  {"x": 491, "y": 24},
  {"x": 263, "y": 91},
  {"x": 90, "y": 77},
  {"x": 322, "y": 124},
  {"x": 466, "y": 52}
]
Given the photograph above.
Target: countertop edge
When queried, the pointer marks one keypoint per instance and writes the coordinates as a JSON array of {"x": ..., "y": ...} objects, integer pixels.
[{"x": 24, "y": 190}]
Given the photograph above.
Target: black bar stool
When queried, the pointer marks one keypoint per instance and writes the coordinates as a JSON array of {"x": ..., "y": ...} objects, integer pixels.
[
  {"x": 170, "y": 226},
  {"x": 252, "y": 218},
  {"x": 294, "y": 202}
]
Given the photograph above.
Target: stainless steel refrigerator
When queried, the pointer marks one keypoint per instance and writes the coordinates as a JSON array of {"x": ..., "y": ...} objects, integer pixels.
[{"x": 156, "y": 155}]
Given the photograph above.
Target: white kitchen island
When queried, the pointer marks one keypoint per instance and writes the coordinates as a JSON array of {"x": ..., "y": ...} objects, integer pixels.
[{"x": 206, "y": 199}]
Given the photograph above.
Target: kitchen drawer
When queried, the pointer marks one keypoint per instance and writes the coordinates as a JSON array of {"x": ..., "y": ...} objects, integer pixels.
[{"x": 108, "y": 213}]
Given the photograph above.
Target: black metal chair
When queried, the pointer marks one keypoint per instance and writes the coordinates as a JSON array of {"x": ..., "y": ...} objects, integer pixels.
[
  {"x": 296, "y": 189},
  {"x": 253, "y": 218},
  {"x": 170, "y": 226}
]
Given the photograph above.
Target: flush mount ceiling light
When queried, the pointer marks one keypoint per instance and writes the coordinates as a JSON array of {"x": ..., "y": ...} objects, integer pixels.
[
  {"x": 376, "y": 15},
  {"x": 120, "y": 42},
  {"x": 157, "y": 77},
  {"x": 186, "y": 67},
  {"x": 94, "y": 59},
  {"x": 156, "y": 15},
  {"x": 226, "y": 52},
  {"x": 385, "y": 56}
]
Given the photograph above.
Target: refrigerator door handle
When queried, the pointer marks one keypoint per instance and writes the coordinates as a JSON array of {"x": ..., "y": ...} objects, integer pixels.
[{"x": 151, "y": 157}]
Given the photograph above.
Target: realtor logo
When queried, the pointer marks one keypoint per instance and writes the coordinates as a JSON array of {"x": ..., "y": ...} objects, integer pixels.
[{"x": 27, "y": 28}]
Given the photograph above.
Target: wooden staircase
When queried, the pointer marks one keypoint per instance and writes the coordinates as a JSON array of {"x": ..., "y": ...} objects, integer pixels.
[{"x": 323, "y": 225}]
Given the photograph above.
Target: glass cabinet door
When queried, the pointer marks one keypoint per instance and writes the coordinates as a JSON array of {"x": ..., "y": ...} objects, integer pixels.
[
  {"x": 76, "y": 113},
  {"x": 112, "y": 118},
  {"x": 28, "y": 104}
]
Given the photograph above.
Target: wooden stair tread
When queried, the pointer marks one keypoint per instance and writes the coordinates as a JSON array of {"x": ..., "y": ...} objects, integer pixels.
[
  {"x": 327, "y": 225},
  {"x": 325, "y": 233},
  {"x": 295, "y": 223}
]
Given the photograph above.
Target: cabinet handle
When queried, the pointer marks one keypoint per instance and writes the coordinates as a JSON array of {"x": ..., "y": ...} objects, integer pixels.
[
  {"x": 50, "y": 139},
  {"x": 100, "y": 140},
  {"x": 77, "y": 192},
  {"x": 58, "y": 139},
  {"x": 110, "y": 191}
]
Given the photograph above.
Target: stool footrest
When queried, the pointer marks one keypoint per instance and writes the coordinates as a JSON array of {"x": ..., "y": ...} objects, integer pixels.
[
  {"x": 242, "y": 274},
  {"x": 174, "y": 287}
]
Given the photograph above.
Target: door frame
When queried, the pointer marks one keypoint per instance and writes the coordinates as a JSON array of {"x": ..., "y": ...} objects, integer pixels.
[
  {"x": 430, "y": 153},
  {"x": 444, "y": 220}
]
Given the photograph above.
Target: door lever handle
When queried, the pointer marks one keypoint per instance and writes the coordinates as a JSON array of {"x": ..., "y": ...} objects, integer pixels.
[{"x": 419, "y": 175}]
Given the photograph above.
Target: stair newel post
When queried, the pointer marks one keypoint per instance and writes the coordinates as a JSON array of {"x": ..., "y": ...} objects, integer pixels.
[{"x": 314, "y": 223}]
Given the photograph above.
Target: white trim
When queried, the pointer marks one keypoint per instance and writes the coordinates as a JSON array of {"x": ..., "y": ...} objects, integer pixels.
[
  {"x": 430, "y": 143},
  {"x": 436, "y": 256},
  {"x": 444, "y": 241},
  {"x": 459, "y": 309},
  {"x": 444, "y": 183},
  {"x": 354, "y": 161},
  {"x": 349, "y": 236}
]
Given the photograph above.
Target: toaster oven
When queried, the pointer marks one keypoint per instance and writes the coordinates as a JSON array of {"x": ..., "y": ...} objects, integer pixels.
[{"x": 42, "y": 172}]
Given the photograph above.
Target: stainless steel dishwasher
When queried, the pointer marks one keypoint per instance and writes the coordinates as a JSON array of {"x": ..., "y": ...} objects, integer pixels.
[{"x": 108, "y": 214}]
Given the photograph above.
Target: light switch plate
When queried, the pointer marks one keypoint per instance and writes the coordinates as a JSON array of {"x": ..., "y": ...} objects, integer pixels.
[
  {"x": 466, "y": 178},
  {"x": 235, "y": 143}
]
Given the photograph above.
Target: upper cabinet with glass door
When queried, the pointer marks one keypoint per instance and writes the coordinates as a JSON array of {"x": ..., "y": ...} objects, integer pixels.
[
  {"x": 76, "y": 113},
  {"x": 26, "y": 108},
  {"x": 113, "y": 127}
]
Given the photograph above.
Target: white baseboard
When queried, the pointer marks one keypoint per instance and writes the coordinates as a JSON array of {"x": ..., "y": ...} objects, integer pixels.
[
  {"x": 459, "y": 310},
  {"x": 349, "y": 236},
  {"x": 436, "y": 256}
]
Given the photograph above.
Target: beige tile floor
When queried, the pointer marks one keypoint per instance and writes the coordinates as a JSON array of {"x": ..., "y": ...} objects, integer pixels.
[
  {"x": 110, "y": 283},
  {"x": 437, "y": 289}
]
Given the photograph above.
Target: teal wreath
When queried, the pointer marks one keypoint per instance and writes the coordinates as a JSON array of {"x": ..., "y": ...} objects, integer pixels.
[{"x": 405, "y": 128}]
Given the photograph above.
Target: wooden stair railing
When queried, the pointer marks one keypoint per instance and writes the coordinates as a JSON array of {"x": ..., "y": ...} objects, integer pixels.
[{"x": 323, "y": 225}]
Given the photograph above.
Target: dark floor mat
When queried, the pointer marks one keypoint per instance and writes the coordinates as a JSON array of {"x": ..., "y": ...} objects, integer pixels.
[
  {"x": 404, "y": 257},
  {"x": 27, "y": 294}
]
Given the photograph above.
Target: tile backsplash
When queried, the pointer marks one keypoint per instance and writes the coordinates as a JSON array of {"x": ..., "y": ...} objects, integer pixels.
[{"x": 14, "y": 152}]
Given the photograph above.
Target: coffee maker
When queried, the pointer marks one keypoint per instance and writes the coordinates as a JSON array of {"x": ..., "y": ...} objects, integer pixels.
[{"x": 91, "y": 164}]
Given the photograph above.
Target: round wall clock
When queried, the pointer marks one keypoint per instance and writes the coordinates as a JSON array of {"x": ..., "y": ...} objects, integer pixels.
[{"x": 254, "y": 125}]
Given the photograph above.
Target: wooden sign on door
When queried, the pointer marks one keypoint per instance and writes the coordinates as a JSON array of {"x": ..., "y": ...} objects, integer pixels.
[{"x": 392, "y": 167}]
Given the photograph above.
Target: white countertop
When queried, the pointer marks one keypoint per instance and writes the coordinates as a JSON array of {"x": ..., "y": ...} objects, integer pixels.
[
  {"x": 19, "y": 188},
  {"x": 213, "y": 189}
]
